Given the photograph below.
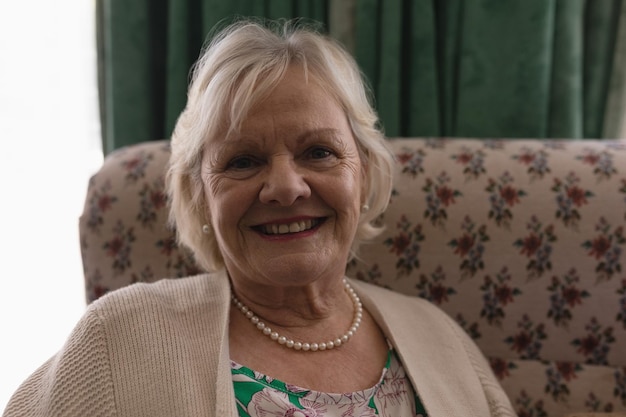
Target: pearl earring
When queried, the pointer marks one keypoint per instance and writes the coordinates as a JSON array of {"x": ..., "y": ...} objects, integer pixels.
[
  {"x": 365, "y": 208},
  {"x": 206, "y": 229}
]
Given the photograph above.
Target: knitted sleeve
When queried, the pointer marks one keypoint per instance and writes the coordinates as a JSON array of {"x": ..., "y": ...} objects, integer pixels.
[
  {"x": 75, "y": 382},
  {"x": 499, "y": 403}
]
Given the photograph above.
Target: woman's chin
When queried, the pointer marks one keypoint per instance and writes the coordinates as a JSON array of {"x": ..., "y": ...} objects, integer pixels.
[{"x": 303, "y": 267}]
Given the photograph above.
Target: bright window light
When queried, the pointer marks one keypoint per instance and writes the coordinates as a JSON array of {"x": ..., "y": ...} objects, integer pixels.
[{"x": 50, "y": 147}]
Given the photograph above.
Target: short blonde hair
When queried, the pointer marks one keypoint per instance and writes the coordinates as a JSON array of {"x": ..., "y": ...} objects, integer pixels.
[{"x": 241, "y": 65}]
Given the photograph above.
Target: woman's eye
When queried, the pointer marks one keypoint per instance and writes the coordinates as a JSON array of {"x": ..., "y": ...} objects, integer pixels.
[
  {"x": 242, "y": 162},
  {"x": 320, "y": 153}
]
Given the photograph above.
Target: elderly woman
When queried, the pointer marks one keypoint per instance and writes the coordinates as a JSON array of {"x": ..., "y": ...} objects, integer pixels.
[{"x": 277, "y": 174}]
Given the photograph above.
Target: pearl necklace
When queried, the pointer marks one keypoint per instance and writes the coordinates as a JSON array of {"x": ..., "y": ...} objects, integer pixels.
[{"x": 291, "y": 344}]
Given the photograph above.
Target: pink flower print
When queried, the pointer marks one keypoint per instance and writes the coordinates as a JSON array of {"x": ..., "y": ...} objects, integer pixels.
[
  {"x": 114, "y": 246},
  {"x": 464, "y": 244},
  {"x": 473, "y": 162},
  {"x": 606, "y": 249},
  {"x": 504, "y": 294},
  {"x": 510, "y": 195},
  {"x": 596, "y": 345},
  {"x": 599, "y": 246},
  {"x": 406, "y": 245},
  {"x": 167, "y": 245},
  {"x": 132, "y": 164},
  {"x": 577, "y": 195},
  {"x": 269, "y": 403},
  {"x": 98, "y": 291},
  {"x": 404, "y": 157},
  {"x": 158, "y": 199},
  {"x": 521, "y": 342},
  {"x": 570, "y": 197},
  {"x": 591, "y": 158},
  {"x": 567, "y": 370},
  {"x": 501, "y": 368},
  {"x": 572, "y": 296},
  {"x": 323, "y": 397},
  {"x": 400, "y": 243},
  {"x": 136, "y": 165},
  {"x": 536, "y": 161},
  {"x": 432, "y": 287},
  {"x": 464, "y": 158},
  {"x": 602, "y": 163},
  {"x": 588, "y": 345},
  {"x": 526, "y": 158},
  {"x": 357, "y": 410},
  {"x": 393, "y": 393},
  {"x": 105, "y": 201},
  {"x": 411, "y": 161},
  {"x": 530, "y": 245},
  {"x": 439, "y": 293},
  {"x": 445, "y": 195}
]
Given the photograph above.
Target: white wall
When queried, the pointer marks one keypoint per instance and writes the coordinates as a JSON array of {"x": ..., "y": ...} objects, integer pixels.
[{"x": 49, "y": 145}]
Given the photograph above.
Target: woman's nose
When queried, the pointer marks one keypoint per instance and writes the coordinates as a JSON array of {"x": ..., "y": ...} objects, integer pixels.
[{"x": 284, "y": 183}]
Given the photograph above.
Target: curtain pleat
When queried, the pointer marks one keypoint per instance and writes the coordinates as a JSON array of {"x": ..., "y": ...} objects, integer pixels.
[
  {"x": 614, "y": 117},
  {"x": 184, "y": 41},
  {"x": 367, "y": 35},
  {"x": 601, "y": 24},
  {"x": 531, "y": 69},
  {"x": 566, "y": 93},
  {"x": 388, "y": 86},
  {"x": 503, "y": 69},
  {"x": 419, "y": 101},
  {"x": 132, "y": 75}
]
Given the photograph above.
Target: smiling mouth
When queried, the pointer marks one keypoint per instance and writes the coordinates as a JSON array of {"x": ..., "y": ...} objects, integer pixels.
[{"x": 286, "y": 228}]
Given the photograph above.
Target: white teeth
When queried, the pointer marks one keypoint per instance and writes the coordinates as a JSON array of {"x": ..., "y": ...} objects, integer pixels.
[{"x": 281, "y": 229}]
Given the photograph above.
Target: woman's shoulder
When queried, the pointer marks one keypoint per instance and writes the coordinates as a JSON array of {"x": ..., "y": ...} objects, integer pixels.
[
  {"x": 390, "y": 301},
  {"x": 377, "y": 291},
  {"x": 180, "y": 294},
  {"x": 130, "y": 337}
]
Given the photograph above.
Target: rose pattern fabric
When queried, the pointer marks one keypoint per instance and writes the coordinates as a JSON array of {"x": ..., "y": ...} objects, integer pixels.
[
  {"x": 469, "y": 246},
  {"x": 519, "y": 241},
  {"x": 565, "y": 296},
  {"x": 497, "y": 294},
  {"x": 536, "y": 246},
  {"x": 606, "y": 248},
  {"x": 124, "y": 235},
  {"x": 502, "y": 197}
]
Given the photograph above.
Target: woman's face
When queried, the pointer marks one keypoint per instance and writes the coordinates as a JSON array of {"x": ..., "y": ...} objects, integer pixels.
[{"x": 284, "y": 195}]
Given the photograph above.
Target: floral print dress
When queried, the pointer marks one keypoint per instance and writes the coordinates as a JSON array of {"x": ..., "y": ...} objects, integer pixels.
[{"x": 259, "y": 395}]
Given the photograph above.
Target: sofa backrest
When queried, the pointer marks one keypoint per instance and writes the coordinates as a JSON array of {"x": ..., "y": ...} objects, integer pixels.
[{"x": 521, "y": 241}]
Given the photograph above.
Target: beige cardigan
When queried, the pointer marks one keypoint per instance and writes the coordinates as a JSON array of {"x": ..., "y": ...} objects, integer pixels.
[{"x": 162, "y": 350}]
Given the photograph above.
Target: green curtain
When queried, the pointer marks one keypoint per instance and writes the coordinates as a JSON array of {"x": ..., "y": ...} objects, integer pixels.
[
  {"x": 489, "y": 68},
  {"x": 615, "y": 112},
  {"x": 455, "y": 68},
  {"x": 145, "y": 52}
]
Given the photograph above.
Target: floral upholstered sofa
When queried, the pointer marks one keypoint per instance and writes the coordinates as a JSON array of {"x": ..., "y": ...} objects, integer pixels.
[{"x": 521, "y": 241}]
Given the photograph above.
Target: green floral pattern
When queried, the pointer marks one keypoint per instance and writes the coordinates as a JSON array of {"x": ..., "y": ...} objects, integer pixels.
[{"x": 260, "y": 395}]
